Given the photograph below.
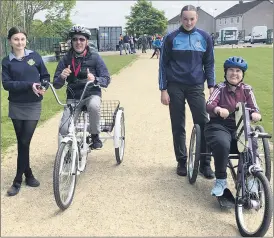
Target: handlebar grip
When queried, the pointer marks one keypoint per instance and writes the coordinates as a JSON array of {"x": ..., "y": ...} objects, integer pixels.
[
  {"x": 265, "y": 136},
  {"x": 261, "y": 134}
]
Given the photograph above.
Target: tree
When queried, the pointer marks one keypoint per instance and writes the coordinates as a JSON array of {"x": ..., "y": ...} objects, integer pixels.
[
  {"x": 51, "y": 28},
  {"x": 9, "y": 12},
  {"x": 55, "y": 10},
  {"x": 145, "y": 19},
  {"x": 21, "y": 13}
]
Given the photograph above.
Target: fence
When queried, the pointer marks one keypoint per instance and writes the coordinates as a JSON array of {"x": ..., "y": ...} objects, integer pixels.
[
  {"x": 109, "y": 38},
  {"x": 34, "y": 43}
]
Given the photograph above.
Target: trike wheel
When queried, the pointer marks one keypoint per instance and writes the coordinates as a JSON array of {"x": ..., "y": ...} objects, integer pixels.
[
  {"x": 120, "y": 150},
  {"x": 264, "y": 153},
  {"x": 194, "y": 154},
  {"x": 64, "y": 179},
  {"x": 254, "y": 210}
]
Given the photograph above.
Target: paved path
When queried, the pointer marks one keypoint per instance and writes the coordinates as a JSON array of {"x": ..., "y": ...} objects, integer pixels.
[{"x": 141, "y": 197}]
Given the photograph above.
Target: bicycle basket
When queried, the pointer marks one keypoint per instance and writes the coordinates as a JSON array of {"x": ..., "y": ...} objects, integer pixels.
[{"x": 109, "y": 109}]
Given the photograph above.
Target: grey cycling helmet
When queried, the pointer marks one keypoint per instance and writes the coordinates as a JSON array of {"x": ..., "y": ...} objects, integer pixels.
[{"x": 79, "y": 30}]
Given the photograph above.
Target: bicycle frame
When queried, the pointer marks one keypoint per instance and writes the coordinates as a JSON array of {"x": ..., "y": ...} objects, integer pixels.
[
  {"x": 71, "y": 136},
  {"x": 247, "y": 162},
  {"x": 244, "y": 134}
]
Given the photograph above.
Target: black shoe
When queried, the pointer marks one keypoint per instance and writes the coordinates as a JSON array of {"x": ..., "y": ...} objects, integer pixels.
[
  {"x": 96, "y": 142},
  {"x": 32, "y": 182},
  {"x": 207, "y": 172},
  {"x": 181, "y": 169},
  {"x": 14, "y": 189}
]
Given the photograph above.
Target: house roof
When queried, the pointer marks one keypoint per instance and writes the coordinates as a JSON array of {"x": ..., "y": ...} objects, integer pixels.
[
  {"x": 239, "y": 9},
  {"x": 174, "y": 19},
  {"x": 178, "y": 17}
]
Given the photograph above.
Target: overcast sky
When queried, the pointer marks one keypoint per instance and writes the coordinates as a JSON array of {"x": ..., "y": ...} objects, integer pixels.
[{"x": 93, "y": 14}]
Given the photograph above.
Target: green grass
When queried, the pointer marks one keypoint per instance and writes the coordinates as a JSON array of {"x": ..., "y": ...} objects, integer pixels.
[
  {"x": 50, "y": 107},
  {"x": 259, "y": 75}
]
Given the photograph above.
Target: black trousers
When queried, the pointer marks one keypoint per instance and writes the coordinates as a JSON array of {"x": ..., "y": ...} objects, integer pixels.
[
  {"x": 155, "y": 50},
  {"x": 194, "y": 95},
  {"x": 221, "y": 141},
  {"x": 24, "y": 130},
  {"x": 144, "y": 48}
]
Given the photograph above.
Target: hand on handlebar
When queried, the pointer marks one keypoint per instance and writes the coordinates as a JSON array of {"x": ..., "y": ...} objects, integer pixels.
[
  {"x": 90, "y": 76},
  {"x": 222, "y": 112},
  {"x": 255, "y": 116}
]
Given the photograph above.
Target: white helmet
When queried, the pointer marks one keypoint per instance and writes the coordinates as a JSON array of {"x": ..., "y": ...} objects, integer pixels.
[{"x": 79, "y": 30}]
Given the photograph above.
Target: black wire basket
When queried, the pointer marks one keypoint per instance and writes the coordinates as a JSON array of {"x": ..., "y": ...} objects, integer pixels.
[{"x": 109, "y": 109}]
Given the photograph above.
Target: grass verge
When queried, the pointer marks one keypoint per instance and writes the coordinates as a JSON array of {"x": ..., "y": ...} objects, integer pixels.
[{"x": 49, "y": 107}]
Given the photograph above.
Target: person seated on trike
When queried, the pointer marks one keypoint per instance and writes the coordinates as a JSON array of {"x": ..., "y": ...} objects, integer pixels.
[{"x": 219, "y": 133}]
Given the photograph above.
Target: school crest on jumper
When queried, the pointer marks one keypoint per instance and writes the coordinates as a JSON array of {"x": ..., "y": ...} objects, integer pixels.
[
  {"x": 31, "y": 62},
  {"x": 198, "y": 44}
]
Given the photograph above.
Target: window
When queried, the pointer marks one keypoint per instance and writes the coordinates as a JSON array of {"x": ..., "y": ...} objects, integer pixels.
[
  {"x": 225, "y": 21},
  {"x": 231, "y": 19},
  {"x": 238, "y": 19},
  {"x": 220, "y": 22}
]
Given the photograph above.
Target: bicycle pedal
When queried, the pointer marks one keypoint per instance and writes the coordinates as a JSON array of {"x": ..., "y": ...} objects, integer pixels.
[
  {"x": 227, "y": 200},
  {"x": 77, "y": 173}
]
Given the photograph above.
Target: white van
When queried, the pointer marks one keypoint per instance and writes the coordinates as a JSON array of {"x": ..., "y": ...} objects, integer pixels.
[
  {"x": 258, "y": 34},
  {"x": 228, "y": 35}
]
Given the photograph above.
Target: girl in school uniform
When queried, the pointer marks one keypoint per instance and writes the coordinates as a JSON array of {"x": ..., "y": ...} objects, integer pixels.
[{"x": 23, "y": 72}]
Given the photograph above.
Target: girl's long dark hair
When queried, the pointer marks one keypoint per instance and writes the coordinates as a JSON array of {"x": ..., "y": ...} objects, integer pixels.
[{"x": 14, "y": 30}]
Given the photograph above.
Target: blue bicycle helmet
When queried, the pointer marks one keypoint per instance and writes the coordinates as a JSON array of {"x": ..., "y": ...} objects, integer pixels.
[{"x": 235, "y": 62}]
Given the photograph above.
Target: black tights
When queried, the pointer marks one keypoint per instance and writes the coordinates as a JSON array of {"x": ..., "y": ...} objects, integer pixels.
[
  {"x": 24, "y": 130},
  {"x": 154, "y": 53}
]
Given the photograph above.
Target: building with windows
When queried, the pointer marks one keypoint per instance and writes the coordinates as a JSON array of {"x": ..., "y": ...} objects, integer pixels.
[{"x": 246, "y": 15}]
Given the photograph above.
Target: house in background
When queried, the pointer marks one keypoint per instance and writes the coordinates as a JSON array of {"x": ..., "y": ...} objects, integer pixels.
[
  {"x": 246, "y": 15},
  {"x": 206, "y": 22}
]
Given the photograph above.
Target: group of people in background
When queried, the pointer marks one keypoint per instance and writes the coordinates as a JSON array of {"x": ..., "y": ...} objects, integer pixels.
[{"x": 129, "y": 43}]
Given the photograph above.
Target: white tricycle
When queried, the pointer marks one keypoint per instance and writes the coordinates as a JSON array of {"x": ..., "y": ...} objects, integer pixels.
[{"x": 74, "y": 148}]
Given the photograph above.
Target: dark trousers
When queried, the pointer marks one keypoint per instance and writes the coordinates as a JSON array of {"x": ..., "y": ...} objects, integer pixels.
[
  {"x": 144, "y": 48},
  {"x": 24, "y": 131},
  {"x": 194, "y": 95},
  {"x": 155, "y": 51},
  {"x": 221, "y": 141}
]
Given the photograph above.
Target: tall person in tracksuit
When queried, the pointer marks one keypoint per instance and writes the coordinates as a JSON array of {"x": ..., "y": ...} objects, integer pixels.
[{"x": 186, "y": 62}]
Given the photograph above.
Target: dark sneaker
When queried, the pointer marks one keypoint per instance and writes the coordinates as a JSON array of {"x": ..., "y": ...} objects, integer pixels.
[
  {"x": 207, "y": 172},
  {"x": 32, "y": 182},
  {"x": 14, "y": 189},
  {"x": 96, "y": 142},
  {"x": 181, "y": 169}
]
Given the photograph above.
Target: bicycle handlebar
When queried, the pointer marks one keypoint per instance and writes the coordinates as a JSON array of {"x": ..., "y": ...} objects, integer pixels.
[
  {"x": 260, "y": 134},
  {"x": 236, "y": 109},
  {"x": 81, "y": 98}
]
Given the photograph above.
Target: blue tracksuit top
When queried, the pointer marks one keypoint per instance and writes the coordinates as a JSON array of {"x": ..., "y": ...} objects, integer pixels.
[
  {"x": 157, "y": 43},
  {"x": 187, "y": 57}
]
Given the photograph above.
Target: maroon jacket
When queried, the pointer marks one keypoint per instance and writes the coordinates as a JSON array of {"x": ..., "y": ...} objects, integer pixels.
[{"x": 224, "y": 97}]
